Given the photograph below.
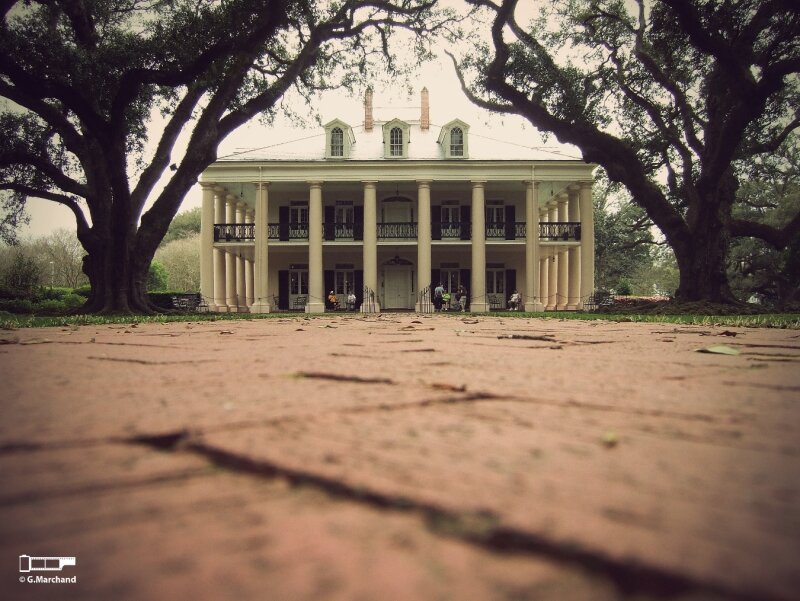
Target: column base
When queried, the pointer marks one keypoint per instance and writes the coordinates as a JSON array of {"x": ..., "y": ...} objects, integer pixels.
[
  {"x": 260, "y": 308},
  {"x": 475, "y": 307},
  {"x": 561, "y": 307},
  {"x": 534, "y": 307},
  {"x": 212, "y": 308},
  {"x": 550, "y": 308},
  {"x": 572, "y": 307},
  {"x": 315, "y": 308},
  {"x": 363, "y": 308},
  {"x": 242, "y": 309}
]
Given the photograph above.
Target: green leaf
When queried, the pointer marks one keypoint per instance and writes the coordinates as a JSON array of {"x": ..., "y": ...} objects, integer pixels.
[{"x": 719, "y": 349}]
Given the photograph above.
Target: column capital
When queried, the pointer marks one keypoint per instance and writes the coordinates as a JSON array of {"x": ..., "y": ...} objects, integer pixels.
[
  {"x": 262, "y": 185},
  {"x": 573, "y": 187},
  {"x": 315, "y": 183},
  {"x": 219, "y": 189},
  {"x": 423, "y": 183},
  {"x": 369, "y": 183},
  {"x": 562, "y": 197},
  {"x": 552, "y": 203},
  {"x": 477, "y": 183},
  {"x": 231, "y": 197},
  {"x": 532, "y": 183},
  {"x": 208, "y": 185},
  {"x": 586, "y": 184}
]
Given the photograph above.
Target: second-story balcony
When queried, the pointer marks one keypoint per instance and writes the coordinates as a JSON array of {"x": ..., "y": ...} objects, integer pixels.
[
  {"x": 397, "y": 231},
  {"x": 559, "y": 231}
]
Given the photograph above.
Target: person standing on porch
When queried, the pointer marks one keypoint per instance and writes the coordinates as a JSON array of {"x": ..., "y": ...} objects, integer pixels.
[
  {"x": 438, "y": 296},
  {"x": 461, "y": 297}
]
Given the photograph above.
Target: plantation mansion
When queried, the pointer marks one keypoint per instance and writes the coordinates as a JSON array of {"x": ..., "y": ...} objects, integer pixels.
[{"x": 387, "y": 211}]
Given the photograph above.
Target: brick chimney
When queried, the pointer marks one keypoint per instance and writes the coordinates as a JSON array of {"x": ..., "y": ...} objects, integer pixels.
[
  {"x": 425, "y": 117},
  {"x": 368, "y": 110}
]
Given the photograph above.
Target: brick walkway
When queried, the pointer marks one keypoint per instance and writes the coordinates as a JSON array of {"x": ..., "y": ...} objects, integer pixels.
[{"x": 402, "y": 457}]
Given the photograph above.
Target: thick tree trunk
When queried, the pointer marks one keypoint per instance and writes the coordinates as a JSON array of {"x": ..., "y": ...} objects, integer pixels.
[
  {"x": 702, "y": 257},
  {"x": 118, "y": 279}
]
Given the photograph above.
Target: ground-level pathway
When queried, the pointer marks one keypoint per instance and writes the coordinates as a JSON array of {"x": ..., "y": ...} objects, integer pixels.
[{"x": 401, "y": 457}]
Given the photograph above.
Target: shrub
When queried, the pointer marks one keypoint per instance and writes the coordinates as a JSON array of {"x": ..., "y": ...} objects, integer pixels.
[
  {"x": 16, "y": 305},
  {"x": 156, "y": 277},
  {"x": 73, "y": 301},
  {"x": 49, "y": 307},
  {"x": 54, "y": 293},
  {"x": 624, "y": 288},
  {"x": 84, "y": 290}
]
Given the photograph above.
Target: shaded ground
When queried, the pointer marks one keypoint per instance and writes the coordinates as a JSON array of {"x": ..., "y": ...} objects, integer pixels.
[{"x": 402, "y": 457}]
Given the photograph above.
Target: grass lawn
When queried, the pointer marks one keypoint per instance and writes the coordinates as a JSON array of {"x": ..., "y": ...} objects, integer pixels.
[{"x": 767, "y": 320}]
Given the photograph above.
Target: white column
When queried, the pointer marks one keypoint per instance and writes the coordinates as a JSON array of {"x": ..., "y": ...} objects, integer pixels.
[
  {"x": 230, "y": 260},
  {"x": 241, "y": 294},
  {"x": 249, "y": 273},
  {"x": 552, "y": 266},
  {"x": 371, "y": 244},
  {"x": 574, "y": 292},
  {"x": 262, "y": 301},
  {"x": 563, "y": 275},
  {"x": 207, "y": 246},
  {"x": 316, "y": 281},
  {"x": 543, "y": 266},
  {"x": 477, "y": 291},
  {"x": 532, "y": 247},
  {"x": 587, "y": 241},
  {"x": 219, "y": 254},
  {"x": 423, "y": 239}
]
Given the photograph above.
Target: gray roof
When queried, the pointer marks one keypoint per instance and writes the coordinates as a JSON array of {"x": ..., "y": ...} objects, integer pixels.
[{"x": 309, "y": 145}]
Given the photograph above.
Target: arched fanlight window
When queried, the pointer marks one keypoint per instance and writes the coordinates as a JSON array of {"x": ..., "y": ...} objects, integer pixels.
[
  {"x": 396, "y": 142},
  {"x": 456, "y": 142},
  {"x": 337, "y": 142}
]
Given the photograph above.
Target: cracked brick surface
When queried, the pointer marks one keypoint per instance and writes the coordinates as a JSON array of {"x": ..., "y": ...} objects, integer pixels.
[{"x": 401, "y": 457}]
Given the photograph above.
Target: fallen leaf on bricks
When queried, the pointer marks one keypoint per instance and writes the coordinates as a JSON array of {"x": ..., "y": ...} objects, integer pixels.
[
  {"x": 36, "y": 341},
  {"x": 728, "y": 333},
  {"x": 718, "y": 349},
  {"x": 226, "y": 332},
  {"x": 609, "y": 439}
]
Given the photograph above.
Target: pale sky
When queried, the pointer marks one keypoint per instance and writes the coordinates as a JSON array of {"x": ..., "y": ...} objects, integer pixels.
[{"x": 446, "y": 99}]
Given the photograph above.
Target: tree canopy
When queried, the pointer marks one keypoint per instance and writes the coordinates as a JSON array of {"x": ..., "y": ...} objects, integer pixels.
[
  {"x": 673, "y": 98},
  {"x": 85, "y": 82}
]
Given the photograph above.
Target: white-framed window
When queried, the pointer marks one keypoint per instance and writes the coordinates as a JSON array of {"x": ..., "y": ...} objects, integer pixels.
[
  {"x": 495, "y": 281},
  {"x": 454, "y": 140},
  {"x": 298, "y": 282},
  {"x": 451, "y": 279},
  {"x": 396, "y": 142},
  {"x": 451, "y": 218},
  {"x": 495, "y": 221},
  {"x": 339, "y": 139},
  {"x": 337, "y": 142},
  {"x": 457, "y": 142},
  {"x": 344, "y": 283}
]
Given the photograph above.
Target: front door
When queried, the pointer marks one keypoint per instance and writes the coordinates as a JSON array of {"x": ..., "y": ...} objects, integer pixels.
[{"x": 397, "y": 288}]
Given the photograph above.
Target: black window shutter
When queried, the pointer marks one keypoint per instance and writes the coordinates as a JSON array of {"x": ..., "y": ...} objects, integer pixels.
[
  {"x": 330, "y": 227},
  {"x": 466, "y": 219},
  {"x": 358, "y": 282},
  {"x": 436, "y": 275},
  {"x": 283, "y": 289},
  {"x": 358, "y": 223},
  {"x": 510, "y": 219},
  {"x": 436, "y": 222},
  {"x": 511, "y": 282},
  {"x": 283, "y": 226}
]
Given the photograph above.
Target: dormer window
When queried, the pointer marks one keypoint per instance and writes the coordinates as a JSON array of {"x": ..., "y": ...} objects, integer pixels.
[
  {"x": 457, "y": 142},
  {"x": 396, "y": 142},
  {"x": 339, "y": 140},
  {"x": 396, "y": 136},
  {"x": 453, "y": 140}
]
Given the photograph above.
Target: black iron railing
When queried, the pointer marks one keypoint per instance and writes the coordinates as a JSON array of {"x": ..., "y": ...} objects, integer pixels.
[
  {"x": 287, "y": 231},
  {"x": 560, "y": 230},
  {"x": 424, "y": 300},
  {"x": 234, "y": 232},
  {"x": 369, "y": 305},
  {"x": 397, "y": 231},
  {"x": 451, "y": 230}
]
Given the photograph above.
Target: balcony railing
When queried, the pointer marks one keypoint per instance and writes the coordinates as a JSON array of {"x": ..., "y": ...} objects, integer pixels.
[
  {"x": 560, "y": 230},
  {"x": 553, "y": 231},
  {"x": 451, "y": 230},
  {"x": 343, "y": 231},
  {"x": 287, "y": 231},
  {"x": 234, "y": 232},
  {"x": 397, "y": 231}
]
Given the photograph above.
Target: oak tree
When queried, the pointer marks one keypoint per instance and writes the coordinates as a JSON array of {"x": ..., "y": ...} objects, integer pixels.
[{"x": 673, "y": 98}]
